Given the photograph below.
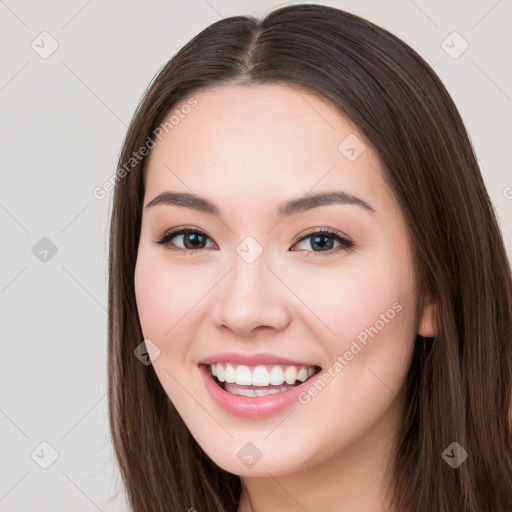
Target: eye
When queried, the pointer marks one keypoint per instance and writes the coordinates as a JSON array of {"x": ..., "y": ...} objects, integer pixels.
[
  {"x": 324, "y": 240},
  {"x": 193, "y": 240}
]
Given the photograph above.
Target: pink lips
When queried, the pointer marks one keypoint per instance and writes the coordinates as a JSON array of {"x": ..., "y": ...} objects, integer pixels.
[
  {"x": 252, "y": 407},
  {"x": 252, "y": 359}
]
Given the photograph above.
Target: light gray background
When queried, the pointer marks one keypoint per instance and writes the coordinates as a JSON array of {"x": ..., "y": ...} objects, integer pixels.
[{"x": 62, "y": 122}]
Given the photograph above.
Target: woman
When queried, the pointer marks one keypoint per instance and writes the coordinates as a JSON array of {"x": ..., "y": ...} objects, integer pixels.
[{"x": 310, "y": 303}]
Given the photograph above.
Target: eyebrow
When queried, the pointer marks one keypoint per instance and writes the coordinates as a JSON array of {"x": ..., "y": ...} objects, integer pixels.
[{"x": 291, "y": 207}]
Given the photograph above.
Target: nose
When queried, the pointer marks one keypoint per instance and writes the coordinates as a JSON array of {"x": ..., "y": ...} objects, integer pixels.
[{"x": 251, "y": 299}]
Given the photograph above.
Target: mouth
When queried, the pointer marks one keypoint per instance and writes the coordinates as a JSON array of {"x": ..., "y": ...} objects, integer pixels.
[{"x": 259, "y": 380}]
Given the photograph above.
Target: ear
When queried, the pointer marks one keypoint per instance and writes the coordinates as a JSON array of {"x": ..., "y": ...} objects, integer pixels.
[{"x": 427, "y": 326}]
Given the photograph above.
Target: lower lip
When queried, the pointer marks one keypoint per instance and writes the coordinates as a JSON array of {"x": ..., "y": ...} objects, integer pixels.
[{"x": 252, "y": 407}]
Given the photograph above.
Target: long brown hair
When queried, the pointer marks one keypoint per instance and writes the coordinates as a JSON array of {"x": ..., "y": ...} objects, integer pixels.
[{"x": 459, "y": 383}]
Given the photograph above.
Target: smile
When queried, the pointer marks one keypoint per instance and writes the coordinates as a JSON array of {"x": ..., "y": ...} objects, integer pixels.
[
  {"x": 259, "y": 380},
  {"x": 256, "y": 391}
]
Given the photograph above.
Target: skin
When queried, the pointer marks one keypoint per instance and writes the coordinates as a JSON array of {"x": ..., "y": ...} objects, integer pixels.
[{"x": 248, "y": 148}]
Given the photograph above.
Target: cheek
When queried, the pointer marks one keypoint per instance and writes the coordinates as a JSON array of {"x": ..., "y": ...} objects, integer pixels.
[
  {"x": 174, "y": 303},
  {"x": 367, "y": 328},
  {"x": 164, "y": 298},
  {"x": 372, "y": 312},
  {"x": 348, "y": 301}
]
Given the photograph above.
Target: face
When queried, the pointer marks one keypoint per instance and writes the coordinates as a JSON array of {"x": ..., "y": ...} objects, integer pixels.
[{"x": 325, "y": 284}]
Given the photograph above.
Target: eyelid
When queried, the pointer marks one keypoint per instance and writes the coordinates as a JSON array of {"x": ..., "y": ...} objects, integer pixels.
[
  {"x": 322, "y": 230},
  {"x": 171, "y": 233}
]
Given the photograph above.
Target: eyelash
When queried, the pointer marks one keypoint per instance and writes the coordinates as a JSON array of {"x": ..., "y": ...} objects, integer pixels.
[{"x": 345, "y": 243}]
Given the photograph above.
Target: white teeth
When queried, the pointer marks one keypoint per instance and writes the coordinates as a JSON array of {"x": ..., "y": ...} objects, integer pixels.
[
  {"x": 261, "y": 375},
  {"x": 276, "y": 376},
  {"x": 229, "y": 375},
  {"x": 302, "y": 374},
  {"x": 243, "y": 376},
  {"x": 255, "y": 392},
  {"x": 264, "y": 392},
  {"x": 290, "y": 375},
  {"x": 243, "y": 392}
]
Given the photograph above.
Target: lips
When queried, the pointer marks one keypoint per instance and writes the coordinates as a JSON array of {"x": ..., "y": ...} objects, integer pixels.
[
  {"x": 249, "y": 359},
  {"x": 254, "y": 402}
]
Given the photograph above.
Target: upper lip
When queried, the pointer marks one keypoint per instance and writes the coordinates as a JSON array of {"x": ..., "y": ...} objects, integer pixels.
[{"x": 252, "y": 359}]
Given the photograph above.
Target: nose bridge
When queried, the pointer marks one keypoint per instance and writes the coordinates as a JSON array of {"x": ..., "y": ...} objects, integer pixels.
[{"x": 251, "y": 296}]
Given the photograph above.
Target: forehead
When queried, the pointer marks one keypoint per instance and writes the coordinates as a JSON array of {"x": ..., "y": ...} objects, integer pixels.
[{"x": 260, "y": 141}]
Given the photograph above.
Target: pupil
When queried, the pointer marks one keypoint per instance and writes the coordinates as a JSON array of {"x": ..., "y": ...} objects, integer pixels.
[{"x": 322, "y": 245}]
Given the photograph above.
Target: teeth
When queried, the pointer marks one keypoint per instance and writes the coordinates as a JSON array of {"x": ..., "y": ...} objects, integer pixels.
[
  {"x": 276, "y": 376},
  {"x": 229, "y": 375},
  {"x": 220, "y": 373},
  {"x": 302, "y": 374},
  {"x": 243, "y": 376},
  {"x": 290, "y": 375},
  {"x": 264, "y": 392},
  {"x": 255, "y": 392},
  {"x": 260, "y": 375}
]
